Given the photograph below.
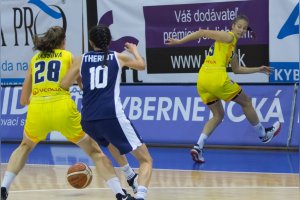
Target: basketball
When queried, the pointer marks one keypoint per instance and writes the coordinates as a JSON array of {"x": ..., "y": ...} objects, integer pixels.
[{"x": 79, "y": 175}]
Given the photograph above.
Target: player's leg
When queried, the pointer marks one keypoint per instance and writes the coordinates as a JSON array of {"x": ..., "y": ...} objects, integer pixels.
[
  {"x": 131, "y": 176},
  {"x": 210, "y": 95},
  {"x": 145, "y": 171},
  {"x": 218, "y": 115},
  {"x": 34, "y": 131},
  {"x": 265, "y": 134},
  {"x": 121, "y": 133},
  {"x": 103, "y": 166},
  {"x": 16, "y": 163}
]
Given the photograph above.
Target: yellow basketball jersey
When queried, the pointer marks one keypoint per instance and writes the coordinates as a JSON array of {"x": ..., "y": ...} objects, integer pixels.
[
  {"x": 47, "y": 70},
  {"x": 220, "y": 53}
]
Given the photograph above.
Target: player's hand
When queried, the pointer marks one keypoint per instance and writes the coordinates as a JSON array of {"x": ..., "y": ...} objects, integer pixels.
[
  {"x": 172, "y": 41},
  {"x": 130, "y": 47},
  {"x": 266, "y": 69}
]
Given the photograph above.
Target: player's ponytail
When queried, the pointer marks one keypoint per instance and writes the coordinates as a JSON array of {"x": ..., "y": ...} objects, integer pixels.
[
  {"x": 252, "y": 33},
  {"x": 101, "y": 37}
]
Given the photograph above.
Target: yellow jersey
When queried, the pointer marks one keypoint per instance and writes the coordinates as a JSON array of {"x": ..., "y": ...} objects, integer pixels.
[
  {"x": 220, "y": 53},
  {"x": 48, "y": 69},
  {"x": 213, "y": 81}
]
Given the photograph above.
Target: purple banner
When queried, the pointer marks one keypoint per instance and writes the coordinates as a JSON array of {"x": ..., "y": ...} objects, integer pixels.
[
  {"x": 176, "y": 115},
  {"x": 177, "y": 21}
]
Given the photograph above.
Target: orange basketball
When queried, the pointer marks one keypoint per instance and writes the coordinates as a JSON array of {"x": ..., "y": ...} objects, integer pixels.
[{"x": 79, "y": 175}]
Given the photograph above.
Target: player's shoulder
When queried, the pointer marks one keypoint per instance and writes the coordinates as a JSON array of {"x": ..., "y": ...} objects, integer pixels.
[
  {"x": 234, "y": 39},
  {"x": 64, "y": 52}
]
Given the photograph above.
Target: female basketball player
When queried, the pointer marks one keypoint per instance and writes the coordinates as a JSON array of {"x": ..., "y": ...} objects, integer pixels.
[
  {"x": 103, "y": 117},
  {"x": 51, "y": 108},
  {"x": 214, "y": 83}
]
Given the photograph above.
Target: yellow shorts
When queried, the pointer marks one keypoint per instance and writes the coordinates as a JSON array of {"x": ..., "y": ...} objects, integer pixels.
[
  {"x": 215, "y": 84},
  {"x": 46, "y": 114}
]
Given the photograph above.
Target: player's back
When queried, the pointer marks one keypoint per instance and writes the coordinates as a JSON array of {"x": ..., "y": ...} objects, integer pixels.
[
  {"x": 101, "y": 86},
  {"x": 48, "y": 69}
]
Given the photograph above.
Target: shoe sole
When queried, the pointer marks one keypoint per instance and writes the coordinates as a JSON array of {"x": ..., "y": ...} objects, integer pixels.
[
  {"x": 276, "y": 133},
  {"x": 194, "y": 155}
]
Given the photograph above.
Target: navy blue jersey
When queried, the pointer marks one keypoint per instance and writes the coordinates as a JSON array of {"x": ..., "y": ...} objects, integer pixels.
[{"x": 101, "y": 86}]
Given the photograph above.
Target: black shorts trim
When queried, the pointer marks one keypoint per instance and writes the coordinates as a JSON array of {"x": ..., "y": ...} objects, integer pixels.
[
  {"x": 238, "y": 94},
  {"x": 212, "y": 102}
]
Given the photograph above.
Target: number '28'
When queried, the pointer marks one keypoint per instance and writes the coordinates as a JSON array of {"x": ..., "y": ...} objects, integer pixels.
[{"x": 52, "y": 73}]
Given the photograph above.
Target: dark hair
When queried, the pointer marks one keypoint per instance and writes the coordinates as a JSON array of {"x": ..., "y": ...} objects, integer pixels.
[
  {"x": 49, "y": 40},
  {"x": 245, "y": 18},
  {"x": 101, "y": 37}
]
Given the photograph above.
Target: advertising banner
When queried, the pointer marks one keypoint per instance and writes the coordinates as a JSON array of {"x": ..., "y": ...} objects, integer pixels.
[
  {"x": 284, "y": 40},
  {"x": 21, "y": 19},
  {"x": 140, "y": 23},
  {"x": 176, "y": 114}
]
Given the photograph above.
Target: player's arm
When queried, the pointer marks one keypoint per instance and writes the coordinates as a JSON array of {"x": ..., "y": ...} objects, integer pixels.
[
  {"x": 79, "y": 82},
  {"x": 237, "y": 69},
  {"x": 221, "y": 36},
  {"x": 135, "y": 61},
  {"x": 72, "y": 74},
  {"x": 26, "y": 89}
]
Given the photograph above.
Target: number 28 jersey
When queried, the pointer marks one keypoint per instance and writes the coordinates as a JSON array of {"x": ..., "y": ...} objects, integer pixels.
[
  {"x": 101, "y": 86},
  {"x": 48, "y": 69}
]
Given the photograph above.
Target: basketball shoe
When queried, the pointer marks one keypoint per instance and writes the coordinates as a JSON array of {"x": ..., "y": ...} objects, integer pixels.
[
  {"x": 271, "y": 132},
  {"x": 4, "y": 193},
  {"x": 125, "y": 196},
  {"x": 196, "y": 154},
  {"x": 133, "y": 183}
]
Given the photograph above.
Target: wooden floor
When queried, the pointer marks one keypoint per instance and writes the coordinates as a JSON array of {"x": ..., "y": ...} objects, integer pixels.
[{"x": 42, "y": 182}]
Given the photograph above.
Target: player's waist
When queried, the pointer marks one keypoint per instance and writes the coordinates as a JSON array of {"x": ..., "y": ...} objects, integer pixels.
[
  {"x": 48, "y": 91},
  {"x": 212, "y": 68},
  {"x": 43, "y": 99}
]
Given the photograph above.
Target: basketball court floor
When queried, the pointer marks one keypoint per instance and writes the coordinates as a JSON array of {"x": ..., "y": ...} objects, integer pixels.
[{"x": 227, "y": 174}]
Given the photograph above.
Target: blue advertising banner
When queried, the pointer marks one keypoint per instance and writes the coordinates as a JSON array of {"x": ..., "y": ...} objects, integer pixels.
[{"x": 175, "y": 114}]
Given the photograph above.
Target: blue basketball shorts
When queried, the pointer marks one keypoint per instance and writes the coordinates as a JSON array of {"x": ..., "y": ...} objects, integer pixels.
[{"x": 117, "y": 131}]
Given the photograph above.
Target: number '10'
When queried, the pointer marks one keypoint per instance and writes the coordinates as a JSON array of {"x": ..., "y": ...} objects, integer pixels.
[{"x": 98, "y": 77}]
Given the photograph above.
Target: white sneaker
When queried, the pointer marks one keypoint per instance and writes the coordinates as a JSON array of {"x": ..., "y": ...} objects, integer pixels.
[
  {"x": 271, "y": 132},
  {"x": 196, "y": 154}
]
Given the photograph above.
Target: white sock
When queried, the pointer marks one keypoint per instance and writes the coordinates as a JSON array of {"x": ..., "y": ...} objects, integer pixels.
[
  {"x": 260, "y": 129},
  {"x": 115, "y": 185},
  {"x": 8, "y": 178},
  {"x": 141, "y": 192},
  {"x": 201, "y": 140},
  {"x": 128, "y": 171}
]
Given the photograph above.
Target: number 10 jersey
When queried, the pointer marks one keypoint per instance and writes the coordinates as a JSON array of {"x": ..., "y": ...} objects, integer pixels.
[{"x": 101, "y": 86}]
